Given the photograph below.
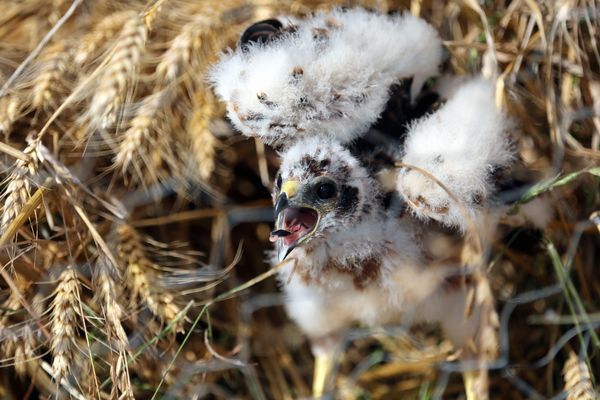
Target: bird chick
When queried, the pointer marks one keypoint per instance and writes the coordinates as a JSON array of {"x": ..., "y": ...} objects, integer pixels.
[{"x": 352, "y": 262}]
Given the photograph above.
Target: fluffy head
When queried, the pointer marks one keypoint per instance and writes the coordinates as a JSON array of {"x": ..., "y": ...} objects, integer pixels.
[
  {"x": 328, "y": 75},
  {"x": 320, "y": 189}
]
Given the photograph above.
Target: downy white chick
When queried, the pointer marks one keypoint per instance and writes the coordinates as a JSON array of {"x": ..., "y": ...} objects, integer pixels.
[{"x": 351, "y": 261}]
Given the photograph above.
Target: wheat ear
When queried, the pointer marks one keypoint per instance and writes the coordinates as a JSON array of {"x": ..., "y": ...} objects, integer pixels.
[
  {"x": 202, "y": 140},
  {"x": 118, "y": 75},
  {"x": 195, "y": 36},
  {"x": 10, "y": 110},
  {"x": 18, "y": 189},
  {"x": 578, "y": 381},
  {"x": 25, "y": 350},
  {"x": 139, "y": 132},
  {"x": 52, "y": 82},
  {"x": 138, "y": 273},
  {"x": 95, "y": 41},
  {"x": 108, "y": 292},
  {"x": 64, "y": 323}
]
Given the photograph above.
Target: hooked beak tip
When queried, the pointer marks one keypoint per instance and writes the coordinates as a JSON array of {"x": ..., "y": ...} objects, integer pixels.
[{"x": 288, "y": 251}]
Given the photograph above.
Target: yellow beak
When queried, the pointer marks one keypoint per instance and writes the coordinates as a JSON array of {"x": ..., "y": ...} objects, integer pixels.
[{"x": 290, "y": 188}]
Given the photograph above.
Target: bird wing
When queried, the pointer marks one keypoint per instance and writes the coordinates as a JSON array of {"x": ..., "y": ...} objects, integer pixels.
[
  {"x": 327, "y": 75},
  {"x": 451, "y": 155}
]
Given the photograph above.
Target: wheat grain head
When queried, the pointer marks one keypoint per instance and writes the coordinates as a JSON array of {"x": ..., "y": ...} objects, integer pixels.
[
  {"x": 64, "y": 323},
  {"x": 138, "y": 276},
  {"x": 202, "y": 140},
  {"x": 94, "y": 42},
  {"x": 19, "y": 182},
  {"x": 119, "y": 75},
  {"x": 578, "y": 381},
  {"x": 108, "y": 292},
  {"x": 10, "y": 110},
  {"x": 52, "y": 81}
]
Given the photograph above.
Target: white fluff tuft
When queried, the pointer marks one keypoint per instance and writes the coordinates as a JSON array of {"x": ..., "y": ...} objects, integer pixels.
[
  {"x": 461, "y": 144},
  {"x": 329, "y": 76}
]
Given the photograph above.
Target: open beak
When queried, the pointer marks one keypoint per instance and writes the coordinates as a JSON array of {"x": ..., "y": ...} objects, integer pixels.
[{"x": 294, "y": 223}]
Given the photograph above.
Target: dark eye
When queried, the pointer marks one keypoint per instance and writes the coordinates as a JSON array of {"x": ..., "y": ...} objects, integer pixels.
[
  {"x": 278, "y": 182},
  {"x": 326, "y": 190},
  {"x": 261, "y": 32}
]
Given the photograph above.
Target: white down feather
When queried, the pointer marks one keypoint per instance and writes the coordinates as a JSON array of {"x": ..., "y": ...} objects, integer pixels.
[
  {"x": 345, "y": 74},
  {"x": 461, "y": 145}
]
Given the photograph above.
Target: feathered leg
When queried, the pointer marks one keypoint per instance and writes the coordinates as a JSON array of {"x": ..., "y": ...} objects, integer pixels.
[
  {"x": 323, "y": 366},
  {"x": 326, "y": 351}
]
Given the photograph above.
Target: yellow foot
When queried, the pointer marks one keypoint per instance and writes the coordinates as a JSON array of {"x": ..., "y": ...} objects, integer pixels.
[{"x": 323, "y": 367}]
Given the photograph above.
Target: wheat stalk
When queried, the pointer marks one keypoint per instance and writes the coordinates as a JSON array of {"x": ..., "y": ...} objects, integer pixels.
[
  {"x": 138, "y": 274},
  {"x": 578, "y": 382},
  {"x": 64, "y": 323},
  {"x": 118, "y": 75}
]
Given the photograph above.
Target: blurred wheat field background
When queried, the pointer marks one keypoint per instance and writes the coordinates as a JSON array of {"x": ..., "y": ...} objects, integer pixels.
[{"x": 135, "y": 221}]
